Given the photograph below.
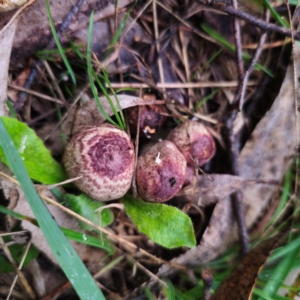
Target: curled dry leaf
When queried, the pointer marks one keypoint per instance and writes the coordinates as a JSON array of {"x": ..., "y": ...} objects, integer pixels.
[
  {"x": 263, "y": 157},
  {"x": 240, "y": 283},
  {"x": 89, "y": 113}
]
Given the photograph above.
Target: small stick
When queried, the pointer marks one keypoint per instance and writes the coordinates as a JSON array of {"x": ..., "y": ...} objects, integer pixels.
[
  {"x": 265, "y": 26},
  {"x": 238, "y": 54},
  {"x": 253, "y": 62},
  {"x": 207, "y": 278}
]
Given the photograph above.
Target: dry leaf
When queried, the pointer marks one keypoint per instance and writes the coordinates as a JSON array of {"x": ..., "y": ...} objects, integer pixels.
[
  {"x": 7, "y": 35},
  {"x": 7, "y": 5},
  {"x": 239, "y": 284},
  {"x": 89, "y": 113},
  {"x": 6, "y": 40}
]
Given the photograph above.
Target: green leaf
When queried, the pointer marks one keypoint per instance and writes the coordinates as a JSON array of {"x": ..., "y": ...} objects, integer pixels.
[
  {"x": 17, "y": 251},
  {"x": 66, "y": 256},
  {"x": 163, "y": 224},
  {"x": 36, "y": 157},
  {"x": 86, "y": 207}
]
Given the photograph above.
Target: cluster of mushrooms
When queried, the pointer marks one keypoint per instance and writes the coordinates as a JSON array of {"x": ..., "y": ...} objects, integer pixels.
[{"x": 103, "y": 157}]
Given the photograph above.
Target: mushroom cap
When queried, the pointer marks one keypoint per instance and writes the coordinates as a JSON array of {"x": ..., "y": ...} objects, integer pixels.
[
  {"x": 160, "y": 172},
  {"x": 194, "y": 141},
  {"x": 152, "y": 117},
  {"x": 104, "y": 156}
]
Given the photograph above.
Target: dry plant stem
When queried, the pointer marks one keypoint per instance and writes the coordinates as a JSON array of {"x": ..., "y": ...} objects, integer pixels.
[
  {"x": 194, "y": 30},
  {"x": 253, "y": 62},
  {"x": 137, "y": 138},
  {"x": 19, "y": 270},
  {"x": 19, "y": 274},
  {"x": 134, "y": 20},
  {"x": 156, "y": 35},
  {"x": 296, "y": 102},
  {"x": 41, "y": 117},
  {"x": 33, "y": 73},
  {"x": 54, "y": 82},
  {"x": 265, "y": 26},
  {"x": 179, "y": 85},
  {"x": 146, "y": 271},
  {"x": 268, "y": 45},
  {"x": 108, "y": 233},
  {"x": 236, "y": 197},
  {"x": 238, "y": 54},
  {"x": 42, "y": 96},
  {"x": 207, "y": 278}
]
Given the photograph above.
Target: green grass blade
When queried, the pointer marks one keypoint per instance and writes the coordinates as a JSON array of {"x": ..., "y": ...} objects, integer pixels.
[
  {"x": 116, "y": 98},
  {"x": 11, "y": 109},
  {"x": 205, "y": 99},
  {"x": 117, "y": 35},
  {"x": 58, "y": 44},
  {"x": 275, "y": 15},
  {"x": 73, "y": 267},
  {"x": 205, "y": 64},
  {"x": 74, "y": 235},
  {"x": 280, "y": 272},
  {"x": 103, "y": 89},
  {"x": 90, "y": 71},
  {"x": 231, "y": 47}
]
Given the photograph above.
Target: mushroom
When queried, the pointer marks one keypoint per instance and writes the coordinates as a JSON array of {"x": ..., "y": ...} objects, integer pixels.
[
  {"x": 103, "y": 155},
  {"x": 194, "y": 141},
  {"x": 152, "y": 117},
  {"x": 160, "y": 172}
]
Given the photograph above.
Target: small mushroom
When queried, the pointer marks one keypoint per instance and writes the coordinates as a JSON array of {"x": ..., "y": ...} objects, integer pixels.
[
  {"x": 160, "y": 172},
  {"x": 152, "y": 117},
  {"x": 194, "y": 141},
  {"x": 103, "y": 155}
]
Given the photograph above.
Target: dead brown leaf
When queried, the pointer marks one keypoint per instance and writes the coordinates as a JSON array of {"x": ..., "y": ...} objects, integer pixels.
[{"x": 240, "y": 283}]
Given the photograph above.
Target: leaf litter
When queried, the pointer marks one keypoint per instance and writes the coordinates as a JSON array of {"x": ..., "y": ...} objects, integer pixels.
[{"x": 263, "y": 162}]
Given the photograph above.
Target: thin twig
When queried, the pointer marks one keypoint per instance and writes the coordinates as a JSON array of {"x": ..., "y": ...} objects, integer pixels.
[
  {"x": 238, "y": 53},
  {"x": 37, "y": 94},
  {"x": 231, "y": 142},
  {"x": 263, "y": 25},
  {"x": 156, "y": 35},
  {"x": 253, "y": 62},
  {"x": 179, "y": 85},
  {"x": 54, "y": 82},
  {"x": 207, "y": 278},
  {"x": 19, "y": 274},
  {"x": 146, "y": 271}
]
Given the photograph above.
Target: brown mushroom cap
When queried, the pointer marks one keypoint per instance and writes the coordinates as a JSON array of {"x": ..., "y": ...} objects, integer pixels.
[
  {"x": 194, "y": 141},
  {"x": 152, "y": 117},
  {"x": 104, "y": 156},
  {"x": 160, "y": 172}
]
